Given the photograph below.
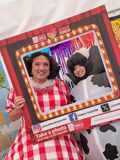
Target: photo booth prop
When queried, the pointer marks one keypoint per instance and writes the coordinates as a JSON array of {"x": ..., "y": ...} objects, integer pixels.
[{"x": 61, "y": 40}]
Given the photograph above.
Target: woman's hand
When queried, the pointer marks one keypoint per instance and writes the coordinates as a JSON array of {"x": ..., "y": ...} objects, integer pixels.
[
  {"x": 19, "y": 102},
  {"x": 16, "y": 113}
]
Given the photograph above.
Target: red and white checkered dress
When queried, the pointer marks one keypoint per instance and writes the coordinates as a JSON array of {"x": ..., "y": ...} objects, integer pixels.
[{"x": 59, "y": 148}]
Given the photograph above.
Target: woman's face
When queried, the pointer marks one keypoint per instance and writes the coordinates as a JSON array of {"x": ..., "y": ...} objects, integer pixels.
[
  {"x": 40, "y": 69},
  {"x": 79, "y": 71}
]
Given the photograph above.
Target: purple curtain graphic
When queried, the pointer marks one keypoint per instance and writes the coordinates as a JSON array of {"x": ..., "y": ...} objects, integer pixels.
[{"x": 61, "y": 52}]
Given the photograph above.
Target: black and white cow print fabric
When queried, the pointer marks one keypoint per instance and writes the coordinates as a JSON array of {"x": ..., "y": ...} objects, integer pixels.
[{"x": 101, "y": 143}]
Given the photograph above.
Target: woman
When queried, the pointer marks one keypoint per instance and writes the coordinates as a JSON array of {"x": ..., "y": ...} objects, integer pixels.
[{"x": 44, "y": 70}]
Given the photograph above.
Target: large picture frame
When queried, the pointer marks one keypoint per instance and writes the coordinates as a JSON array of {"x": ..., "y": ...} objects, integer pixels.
[{"x": 61, "y": 40}]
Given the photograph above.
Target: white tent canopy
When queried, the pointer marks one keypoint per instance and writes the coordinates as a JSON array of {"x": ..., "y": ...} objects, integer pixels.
[{"x": 18, "y": 16}]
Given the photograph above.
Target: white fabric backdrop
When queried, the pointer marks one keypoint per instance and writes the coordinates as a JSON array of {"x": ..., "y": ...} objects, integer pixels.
[{"x": 17, "y": 16}]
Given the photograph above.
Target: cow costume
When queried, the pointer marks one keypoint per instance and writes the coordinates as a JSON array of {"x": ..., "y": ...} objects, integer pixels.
[{"x": 99, "y": 143}]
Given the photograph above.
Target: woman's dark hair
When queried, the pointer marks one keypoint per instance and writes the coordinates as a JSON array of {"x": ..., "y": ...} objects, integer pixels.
[
  {"x": 78, "y": 59},
  {"x": 54, "y": 68}
]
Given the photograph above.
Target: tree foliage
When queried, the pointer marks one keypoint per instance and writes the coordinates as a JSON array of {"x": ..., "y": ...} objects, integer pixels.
[{"x": 2, "y": 81}]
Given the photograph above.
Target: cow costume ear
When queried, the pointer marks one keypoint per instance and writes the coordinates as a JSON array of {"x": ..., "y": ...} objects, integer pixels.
[
  {"x": 96, "y": 60},
  {"x": 98, "y": 69}
]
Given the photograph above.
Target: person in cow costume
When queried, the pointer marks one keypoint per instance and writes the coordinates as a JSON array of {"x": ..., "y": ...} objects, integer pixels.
[{"x": 90, "y": 79}]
